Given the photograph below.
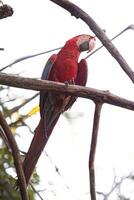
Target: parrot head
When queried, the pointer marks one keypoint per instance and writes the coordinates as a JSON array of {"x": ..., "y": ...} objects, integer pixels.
[
  {"x": 85, "y": 43},
  {"x": 82, "y": 42}
]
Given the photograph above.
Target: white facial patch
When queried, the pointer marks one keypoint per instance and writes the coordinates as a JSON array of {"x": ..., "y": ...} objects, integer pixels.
[
  {"x": 85, "y": 38},
  {"x": 82, "y": 38}
]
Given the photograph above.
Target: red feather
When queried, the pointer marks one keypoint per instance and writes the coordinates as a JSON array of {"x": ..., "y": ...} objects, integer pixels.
[{"x": 63, "y": 67}]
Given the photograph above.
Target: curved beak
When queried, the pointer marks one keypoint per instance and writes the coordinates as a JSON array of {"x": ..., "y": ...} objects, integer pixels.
[{"x": 91, "y": 44}]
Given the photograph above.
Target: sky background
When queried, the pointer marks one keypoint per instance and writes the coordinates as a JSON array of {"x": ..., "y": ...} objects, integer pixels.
[{"x": 39, "y": 26}]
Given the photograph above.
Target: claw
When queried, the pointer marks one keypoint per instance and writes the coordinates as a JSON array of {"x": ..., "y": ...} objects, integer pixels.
[
  {"x": 66, "y": 83},
  {"x": 71, "y": 81}
]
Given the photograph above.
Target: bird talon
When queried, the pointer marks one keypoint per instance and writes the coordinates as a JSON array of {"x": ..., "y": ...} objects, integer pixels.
[
  {"x": 66, "y": 83},
  {"x": 71, "y": 81}
]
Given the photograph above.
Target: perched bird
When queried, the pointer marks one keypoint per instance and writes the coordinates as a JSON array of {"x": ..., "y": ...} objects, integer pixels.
[{"x": 65, "y": 68}]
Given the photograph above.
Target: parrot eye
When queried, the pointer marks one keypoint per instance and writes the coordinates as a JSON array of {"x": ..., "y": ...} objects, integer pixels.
[
  {"x": 91, "y": 44},
  {"x": 84, "y": 46},
  {"x": 85, "y": 43}
]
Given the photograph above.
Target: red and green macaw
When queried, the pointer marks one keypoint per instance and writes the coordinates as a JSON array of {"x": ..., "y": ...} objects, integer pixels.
[{"x": 65, "y": 68}]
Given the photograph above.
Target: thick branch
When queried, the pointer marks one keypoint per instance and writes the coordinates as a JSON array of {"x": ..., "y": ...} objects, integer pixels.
[
  {"x": 16, "y": 156},
  {"x": 93, "y": 149},
  {"x": 78, "y": 91},
  {"x": 79, "y": 13}
]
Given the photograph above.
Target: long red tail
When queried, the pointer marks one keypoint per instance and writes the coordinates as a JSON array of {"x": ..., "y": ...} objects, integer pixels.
[{"x": 37, "y": 145}]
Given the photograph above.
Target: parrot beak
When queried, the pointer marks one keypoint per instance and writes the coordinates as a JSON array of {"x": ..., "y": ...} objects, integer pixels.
[
  {"x": 91, "y": 44},
  {"x": 86, "y": 43}
]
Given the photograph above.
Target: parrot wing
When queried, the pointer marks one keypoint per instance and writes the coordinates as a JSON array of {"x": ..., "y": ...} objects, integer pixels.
[
  {"x": 81, "y": 79},
  {"x": 48, "y": 67},
  {"x": 39, "y": 140},
  {"x": 45, "y": 75},
  {"x": 49, "y": 116}
]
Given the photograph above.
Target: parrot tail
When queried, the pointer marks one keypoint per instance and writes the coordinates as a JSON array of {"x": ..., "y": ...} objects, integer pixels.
[{"x": 37, "y": 145}]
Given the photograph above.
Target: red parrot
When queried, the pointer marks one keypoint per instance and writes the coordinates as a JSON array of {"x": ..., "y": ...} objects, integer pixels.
[{"x": 62, "y": 67}]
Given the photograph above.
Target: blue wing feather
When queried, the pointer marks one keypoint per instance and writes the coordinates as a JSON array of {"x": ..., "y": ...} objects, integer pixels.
[
  {"x": 48, "y": 67},
  {"x": 45, "y": 76}
]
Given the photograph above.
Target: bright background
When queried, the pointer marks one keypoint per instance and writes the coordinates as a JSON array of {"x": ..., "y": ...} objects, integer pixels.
[{"x": 39, "y": 26}]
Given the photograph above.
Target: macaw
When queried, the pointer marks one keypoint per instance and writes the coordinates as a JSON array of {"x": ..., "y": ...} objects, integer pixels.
[{"x": 65, "y": 68}]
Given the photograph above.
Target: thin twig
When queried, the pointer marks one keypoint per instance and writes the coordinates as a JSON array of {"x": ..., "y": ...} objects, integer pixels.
[
  {"x": 36, "y": 192},
  {"x": 115, "y": 185},
  {"x": 73, "y": 90},
  {"x": 15, "y": 109},
  {"x": 16, "y": 156},
  {"x": 41, "y": 53},
  {"x": 3, "y": 136},
  {"x": 116, "y": 36},
  {"x": 27, "y": 57},
  {"x": 98, "y": 106},
  {"x": 79, "y": 13}
]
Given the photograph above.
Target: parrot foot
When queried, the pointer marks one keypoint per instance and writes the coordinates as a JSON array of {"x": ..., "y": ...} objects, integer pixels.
[
  {"x": 66, "y": 83},
  {"x": 71, "y": 81}
]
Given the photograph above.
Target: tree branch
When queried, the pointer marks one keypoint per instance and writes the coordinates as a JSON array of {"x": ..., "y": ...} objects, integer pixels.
[
  {"x": 41, "y": 53},
  {"x": 27, "y": 57},
  {"x": 130, "y": 27},
  {"x": 3, "y": 136},
  {"x": 15, "y": 109},
  {"x": 16, "y": 156},
  {"x": 73, "y": 90},
  {"x": 98, "y": 106},
  {"x": 5, "y": 11},
  {"x": 79, "y": 13},
  {"x": 36, "y": 192}
]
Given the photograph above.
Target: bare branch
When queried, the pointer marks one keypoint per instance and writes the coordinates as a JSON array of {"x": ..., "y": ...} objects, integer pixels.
[
  {"x": 15, "y": 109},
  {"x": 116, "y": 185},
  {"x": 73, "y": 90},
  {"x": 130, "y": 27},
  {"x": 79, "y": 13},
  {"x": 36, "y": 192},
  {"x": 98, "y": 107},
  {"x": 27, "y": 57},
  {"x": 3, "y": 136},
  {"x": 5, "y": 11},
  {"x": 16, "y": 156},
  {"x": 41, "y": 53}
]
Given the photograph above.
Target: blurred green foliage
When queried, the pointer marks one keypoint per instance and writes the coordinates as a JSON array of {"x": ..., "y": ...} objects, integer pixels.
[
  {"x": 7, "y": 181},
  {"x": 8, "y": 178},
  {"x": 7, "y": 171}
]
